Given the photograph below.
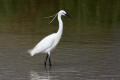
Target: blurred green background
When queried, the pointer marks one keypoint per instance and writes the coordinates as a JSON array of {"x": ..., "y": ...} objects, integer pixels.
[{"x": 26, "y": 16}]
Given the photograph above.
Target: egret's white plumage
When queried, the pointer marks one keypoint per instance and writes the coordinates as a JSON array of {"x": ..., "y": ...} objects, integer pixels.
[
  {"x": 44, "y": 45},
  {"x": 47, "y": 44}
]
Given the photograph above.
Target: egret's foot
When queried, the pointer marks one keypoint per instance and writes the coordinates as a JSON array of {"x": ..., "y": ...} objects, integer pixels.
[
  {"x": 50, "y": 64},
  {"x": 45, "y": 64}
]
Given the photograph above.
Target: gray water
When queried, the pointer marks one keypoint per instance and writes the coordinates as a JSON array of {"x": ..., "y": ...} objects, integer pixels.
[{"x": 89, "y": 48}]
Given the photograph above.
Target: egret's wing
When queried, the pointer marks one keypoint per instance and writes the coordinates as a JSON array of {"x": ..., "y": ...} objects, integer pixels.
[{"x": 44, "y": 44}]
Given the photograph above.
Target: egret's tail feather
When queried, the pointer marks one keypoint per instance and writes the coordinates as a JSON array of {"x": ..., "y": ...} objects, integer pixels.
[{"x": 30, "y": 52}]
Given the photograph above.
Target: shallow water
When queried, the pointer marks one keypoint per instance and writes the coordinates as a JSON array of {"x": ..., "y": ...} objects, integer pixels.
[{"x": 88, "y": 50}]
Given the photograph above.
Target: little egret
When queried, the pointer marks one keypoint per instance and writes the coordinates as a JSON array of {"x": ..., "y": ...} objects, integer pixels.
[{"x": 47, "y": 44}]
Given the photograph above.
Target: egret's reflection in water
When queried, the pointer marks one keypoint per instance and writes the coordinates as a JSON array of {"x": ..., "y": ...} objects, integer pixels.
[
  {"x": 41, "y": 75},
  {"x": 36, "y": 76},
  {"x": 53, "y": 75}
]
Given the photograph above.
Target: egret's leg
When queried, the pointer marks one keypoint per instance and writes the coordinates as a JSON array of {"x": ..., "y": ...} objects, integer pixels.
[
  {"x": 46, "y": 59},
  {"x": 50, "y": 62},
  {"x": 49, "y": 59}
]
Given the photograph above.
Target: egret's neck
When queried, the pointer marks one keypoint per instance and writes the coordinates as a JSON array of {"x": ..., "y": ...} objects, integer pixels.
[{"x": 60, "y": 30}]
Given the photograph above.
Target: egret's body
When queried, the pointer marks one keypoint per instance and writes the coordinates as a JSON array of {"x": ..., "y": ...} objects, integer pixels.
[{"x": 47, "y": 44}]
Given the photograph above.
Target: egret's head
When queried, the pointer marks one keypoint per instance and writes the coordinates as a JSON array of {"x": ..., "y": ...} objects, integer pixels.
[{"x": 62, "y": 12}]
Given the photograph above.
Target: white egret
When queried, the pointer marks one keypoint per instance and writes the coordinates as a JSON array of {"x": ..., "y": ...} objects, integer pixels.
[{"x": 47, "y": 44}]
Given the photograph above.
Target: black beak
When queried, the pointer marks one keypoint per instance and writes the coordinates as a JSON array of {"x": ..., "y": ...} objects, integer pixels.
[{"x": 68, "y": 16}]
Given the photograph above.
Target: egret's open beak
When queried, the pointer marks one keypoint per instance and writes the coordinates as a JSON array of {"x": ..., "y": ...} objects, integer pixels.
[{"x": 68, "y": 16}]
